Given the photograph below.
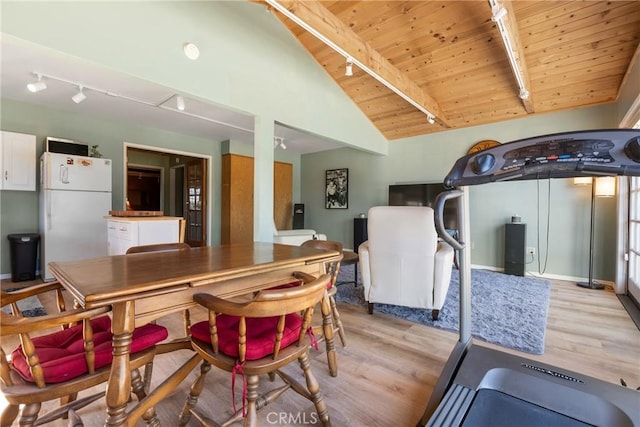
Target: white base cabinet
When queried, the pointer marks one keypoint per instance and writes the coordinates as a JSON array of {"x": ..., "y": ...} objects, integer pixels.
[{"x": 123, "y": 233}]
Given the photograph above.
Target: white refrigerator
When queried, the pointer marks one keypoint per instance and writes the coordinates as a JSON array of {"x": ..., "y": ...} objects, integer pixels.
[{"x": 75, "y": 196}]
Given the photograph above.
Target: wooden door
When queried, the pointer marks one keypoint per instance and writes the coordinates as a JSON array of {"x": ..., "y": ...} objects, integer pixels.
[
  {"x": 283, "y": 195},
  {"x": 237, "y": 199},
  {"x": 196, "y": 212}
]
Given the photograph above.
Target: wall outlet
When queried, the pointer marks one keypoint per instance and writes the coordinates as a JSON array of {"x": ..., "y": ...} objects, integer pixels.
[{"x": 531, "y": 250}]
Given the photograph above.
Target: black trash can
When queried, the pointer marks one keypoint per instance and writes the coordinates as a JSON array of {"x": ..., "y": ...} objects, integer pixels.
[{"x": 24, "y": 256}]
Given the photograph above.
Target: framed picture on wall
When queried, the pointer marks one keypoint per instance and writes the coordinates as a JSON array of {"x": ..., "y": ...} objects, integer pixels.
[{"x": 337, "y": 189}]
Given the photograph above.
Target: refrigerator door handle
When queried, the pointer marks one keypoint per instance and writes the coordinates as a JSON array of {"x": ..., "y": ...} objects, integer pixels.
[
  {"x": 48, "y": 207},
  {"x": 64, "y": 174}
]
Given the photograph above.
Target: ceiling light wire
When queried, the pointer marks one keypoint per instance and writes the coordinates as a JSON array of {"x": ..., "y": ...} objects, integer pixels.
[{"x": 346, "y": 55}]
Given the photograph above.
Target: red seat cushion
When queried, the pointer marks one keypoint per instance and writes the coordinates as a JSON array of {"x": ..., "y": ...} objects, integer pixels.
[
  {"x": 294, "y": 284},
  {"x": 61, "y": 353},
  {"x": 287, "y": 285},
  {"x": 261, "y": 334}
]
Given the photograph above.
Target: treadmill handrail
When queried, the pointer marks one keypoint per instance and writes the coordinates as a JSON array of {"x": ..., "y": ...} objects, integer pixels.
[{"x": 441, "y": 199}]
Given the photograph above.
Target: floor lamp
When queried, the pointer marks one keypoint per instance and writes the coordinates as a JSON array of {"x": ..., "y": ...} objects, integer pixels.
[{"x": 600, "y": 187}]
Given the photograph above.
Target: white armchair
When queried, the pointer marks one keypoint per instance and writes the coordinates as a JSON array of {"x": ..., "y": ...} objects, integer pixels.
[
  {"x": 295, "y": 237},
  {"x": 403, "y": 263}
]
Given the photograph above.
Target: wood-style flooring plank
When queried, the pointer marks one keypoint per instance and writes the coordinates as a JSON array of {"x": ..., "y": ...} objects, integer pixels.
[{"x": 389, "y": 367}]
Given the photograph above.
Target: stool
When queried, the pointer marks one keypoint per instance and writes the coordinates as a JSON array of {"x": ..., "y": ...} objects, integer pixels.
[{"x": 349, "y": 258}]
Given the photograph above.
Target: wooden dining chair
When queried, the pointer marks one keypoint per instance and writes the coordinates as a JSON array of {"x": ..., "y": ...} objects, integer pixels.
[
  {"x": 60, "y": 355},
  {"x": 255, "y": 337},
  {"x": 332, "y": 267}
]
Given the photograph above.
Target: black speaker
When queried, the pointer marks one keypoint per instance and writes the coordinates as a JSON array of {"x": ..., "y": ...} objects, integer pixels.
[
  {"x": 359, "y": 232},
  {"x": 515, "y": 251},
  {"x": 298, "y": 216}
]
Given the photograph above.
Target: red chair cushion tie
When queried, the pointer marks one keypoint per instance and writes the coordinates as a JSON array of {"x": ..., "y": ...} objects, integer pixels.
[{"x": 61, "y": 353}]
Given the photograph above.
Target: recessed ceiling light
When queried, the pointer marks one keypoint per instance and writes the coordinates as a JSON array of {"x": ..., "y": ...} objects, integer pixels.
[{"x": 191, "y": 51}]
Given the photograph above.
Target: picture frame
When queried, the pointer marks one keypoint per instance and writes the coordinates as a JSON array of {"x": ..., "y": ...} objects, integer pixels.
[{"x": 336, "y": 189}]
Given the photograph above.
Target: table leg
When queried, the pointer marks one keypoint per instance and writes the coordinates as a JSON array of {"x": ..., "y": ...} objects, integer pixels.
[
  {"x": 327, "y": 325},
  {"x": 119, "y": 385}
]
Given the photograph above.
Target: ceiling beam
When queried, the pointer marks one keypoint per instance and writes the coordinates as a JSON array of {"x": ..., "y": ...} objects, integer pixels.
[
  {"x": 507, "y": 25},
  {"x": 348, "y": 44}
]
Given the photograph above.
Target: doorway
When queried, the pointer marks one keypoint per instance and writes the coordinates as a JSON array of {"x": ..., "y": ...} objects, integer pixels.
[
  {"x": 170, "y": 181},
  {"x": 144, "y": 188}
]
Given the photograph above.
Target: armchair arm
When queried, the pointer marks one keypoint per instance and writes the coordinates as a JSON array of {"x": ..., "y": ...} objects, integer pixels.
[
  {"x": 365, "y": 267},
  {"x": 442, "y": 273}
]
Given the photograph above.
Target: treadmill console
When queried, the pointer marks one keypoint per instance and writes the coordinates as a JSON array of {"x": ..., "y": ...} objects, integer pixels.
[{"x": 563, "y": 155}]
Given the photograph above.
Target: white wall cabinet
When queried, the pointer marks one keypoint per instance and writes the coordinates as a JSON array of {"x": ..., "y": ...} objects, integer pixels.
[
  {"x": 123, "y": 233},
  {"x": 18, "y": 161}
]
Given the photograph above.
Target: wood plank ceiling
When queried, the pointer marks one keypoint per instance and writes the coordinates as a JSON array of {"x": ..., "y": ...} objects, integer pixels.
[{"x": 450, "y": 58}]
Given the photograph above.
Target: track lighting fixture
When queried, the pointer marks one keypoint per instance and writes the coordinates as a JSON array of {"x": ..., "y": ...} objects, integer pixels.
[
  {"x": 349, "y": 68},
  {"x": 431, "y": 119},
  {"x": 499, "y": 15},
  {"x": 350, "y": 60},
  {"x": 40, "y": 84},
  {"x": 278, "y": 141},
  {"x": 80, "y": 96},
  {"x": 37, "y": 86},
  {"x": 180, "y": 103}
]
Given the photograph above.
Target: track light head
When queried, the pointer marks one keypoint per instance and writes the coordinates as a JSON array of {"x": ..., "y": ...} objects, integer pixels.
[
  {"x": 37, "y": 86},
  {"x": 180, "y": 103},
  {"x": 349, "y": 68},
  {"x": 431, "y": 119},
  {"x": 80, "y": 96},
  {"x": 499, "y": 14},
  {"x": 278, "y": 141}
]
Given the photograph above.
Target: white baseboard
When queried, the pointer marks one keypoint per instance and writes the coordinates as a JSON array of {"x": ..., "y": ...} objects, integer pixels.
[{"x": 607, "y": 283}]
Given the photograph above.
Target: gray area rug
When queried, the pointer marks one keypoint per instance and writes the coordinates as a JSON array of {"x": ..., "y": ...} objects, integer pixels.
[
  {"x": 30, "y": 307},
  {"x": 510, "y": 311}
]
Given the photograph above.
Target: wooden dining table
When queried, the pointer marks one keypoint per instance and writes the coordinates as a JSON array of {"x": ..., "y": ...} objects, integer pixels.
[{"x": 146, "y": 286}]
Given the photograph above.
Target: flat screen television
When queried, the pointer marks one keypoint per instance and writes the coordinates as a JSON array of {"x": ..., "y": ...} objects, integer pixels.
[{"x": 423, "y": 195}]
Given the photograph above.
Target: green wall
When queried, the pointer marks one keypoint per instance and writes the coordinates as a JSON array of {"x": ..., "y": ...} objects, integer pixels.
[
  {"x": 19, "y": 209},
  {"x": 248, "y": 60},
  {"x": 428, "y": 159}
]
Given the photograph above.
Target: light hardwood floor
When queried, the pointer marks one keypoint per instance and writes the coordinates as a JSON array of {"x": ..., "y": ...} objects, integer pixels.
[{"x": 389, "y": 367}]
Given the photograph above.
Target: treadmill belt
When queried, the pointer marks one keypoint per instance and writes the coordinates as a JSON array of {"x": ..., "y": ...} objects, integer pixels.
[{"x": 496, "y": 409}]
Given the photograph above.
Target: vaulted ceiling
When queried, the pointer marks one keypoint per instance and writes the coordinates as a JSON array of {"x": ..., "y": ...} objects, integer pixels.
[{"x": 449, "y": 58}]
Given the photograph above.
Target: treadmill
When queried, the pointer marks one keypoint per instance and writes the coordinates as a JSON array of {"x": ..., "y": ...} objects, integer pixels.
[{"x": 484, "y": 387}]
